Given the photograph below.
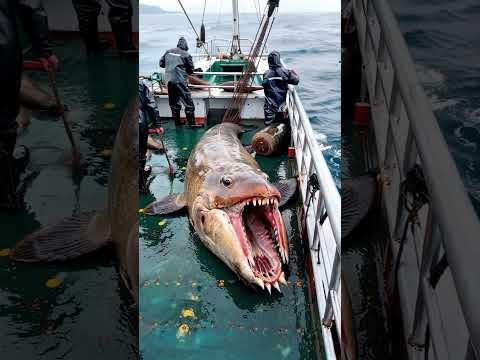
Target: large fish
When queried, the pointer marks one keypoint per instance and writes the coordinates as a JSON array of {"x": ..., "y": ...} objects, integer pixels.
[
  {"x": 117, "y": 224},
  {"x": 234, "y": 208}
]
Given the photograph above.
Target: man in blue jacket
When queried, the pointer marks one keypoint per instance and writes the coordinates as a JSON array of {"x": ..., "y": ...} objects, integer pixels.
[
  {"x": 275, "y": 85},
  {"x": 178, "y": 65}
]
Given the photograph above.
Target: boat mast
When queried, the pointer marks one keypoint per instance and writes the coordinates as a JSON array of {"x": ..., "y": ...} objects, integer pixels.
[{"x": 236, "y": 51}]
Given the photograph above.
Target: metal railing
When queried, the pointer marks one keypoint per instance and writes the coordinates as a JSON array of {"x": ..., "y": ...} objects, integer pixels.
[
  {"x": 407, "y": 133},
  {"x": 322, "y": 211},
  {"x": 217, "y": 46},
  {"x": 235, "y": 74}
]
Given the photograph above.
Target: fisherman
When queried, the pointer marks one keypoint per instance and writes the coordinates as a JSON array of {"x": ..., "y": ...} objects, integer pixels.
[
  {"x": 178, "y": 65},
  {"x": 147, "y": 109},
  {"x": 35, "y": 22},
  {"x": 120, "y": 17},
  {"x": 275, "y": 85}
]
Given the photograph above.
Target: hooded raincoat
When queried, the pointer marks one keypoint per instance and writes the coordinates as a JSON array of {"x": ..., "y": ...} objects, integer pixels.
[
  {"x": 275, "y": 85},
  {"x": 178, "y": 65}
]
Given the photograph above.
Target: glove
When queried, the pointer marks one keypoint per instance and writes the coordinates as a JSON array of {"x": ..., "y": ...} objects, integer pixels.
[
  {"x": 49, "y": 63},
  {"x": 158, "y": 131}
]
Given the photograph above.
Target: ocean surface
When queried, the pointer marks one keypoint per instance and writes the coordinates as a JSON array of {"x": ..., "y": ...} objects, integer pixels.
[
  {"x": 308, "y": 43},
  {"x": 443, "y": 40}
]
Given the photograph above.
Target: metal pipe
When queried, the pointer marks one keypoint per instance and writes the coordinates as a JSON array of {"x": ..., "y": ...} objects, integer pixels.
[
  {"x": 236, "y": 30},
  {"x": 325, "y": 179}
]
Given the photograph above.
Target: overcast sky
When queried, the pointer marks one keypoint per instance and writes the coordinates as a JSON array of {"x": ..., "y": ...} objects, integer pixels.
[{"x": 213, "y": 6}]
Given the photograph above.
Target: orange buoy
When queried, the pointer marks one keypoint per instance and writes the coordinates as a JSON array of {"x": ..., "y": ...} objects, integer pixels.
[{"x": 267, "y": 141}]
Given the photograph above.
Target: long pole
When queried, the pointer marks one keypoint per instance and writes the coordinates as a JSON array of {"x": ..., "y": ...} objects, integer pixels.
[
  {"x": 236, "y": 30},
  {"x": 53, "y": 85}
]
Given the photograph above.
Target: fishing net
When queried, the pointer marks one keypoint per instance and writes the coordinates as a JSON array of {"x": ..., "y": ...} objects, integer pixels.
[{"x": 241, "y": 88}]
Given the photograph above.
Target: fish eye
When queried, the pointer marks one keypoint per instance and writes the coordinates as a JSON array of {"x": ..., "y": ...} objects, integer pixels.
[{"x": 226, "y": 181}]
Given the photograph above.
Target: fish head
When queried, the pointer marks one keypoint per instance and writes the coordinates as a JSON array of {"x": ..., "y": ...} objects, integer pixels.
[{"x": 237, "y": 216}]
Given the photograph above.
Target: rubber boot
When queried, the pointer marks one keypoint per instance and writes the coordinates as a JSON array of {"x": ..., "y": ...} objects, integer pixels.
[
  {"x": 122, "y": 30},
  {"x": 191, "y": 121},
  {"x": 88, "y": 24},
  {"x": 176, "y": 118}
]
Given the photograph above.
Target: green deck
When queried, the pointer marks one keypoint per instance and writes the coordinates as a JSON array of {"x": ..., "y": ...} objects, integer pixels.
[
  {"x": 38, "y": 322},
  {"x": 177, "y": 273},
  {"x": 228, "y": 66}
]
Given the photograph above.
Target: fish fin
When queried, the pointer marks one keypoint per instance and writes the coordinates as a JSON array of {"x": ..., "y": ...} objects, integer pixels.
[
  {"x": 287, "y": 189},
  {"x": 168, "y": 205},
  {"x": 357, "y": 195},
  {"x": 68, "y": 239}
]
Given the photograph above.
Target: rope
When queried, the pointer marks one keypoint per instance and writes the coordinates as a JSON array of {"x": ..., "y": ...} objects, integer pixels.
[
  {"x": 257, "y": 9},
  {"x": 414, "y": 184},
  {"x": 204, "y": 6},
  {"x": 193, "y": 27}
]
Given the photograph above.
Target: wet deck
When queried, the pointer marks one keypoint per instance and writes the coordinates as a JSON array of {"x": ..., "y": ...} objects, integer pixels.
[
  {"x": 182, "y": 283},
  {"x": 39, "y": 322}
]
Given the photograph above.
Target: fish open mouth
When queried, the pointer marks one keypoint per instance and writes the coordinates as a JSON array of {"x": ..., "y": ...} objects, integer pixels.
[{"x": 261, "y": 232}]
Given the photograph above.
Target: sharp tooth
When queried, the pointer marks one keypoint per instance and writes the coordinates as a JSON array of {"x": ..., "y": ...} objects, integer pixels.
[
  {"x": 276, "y": 286},
  {"x": 260, "y": 283},
  {"x": 269, "y": 288},
  {"x": 250, "y": 260},
  {"x": 254, "y": 202},
  {"x": 282, "y": 279}
]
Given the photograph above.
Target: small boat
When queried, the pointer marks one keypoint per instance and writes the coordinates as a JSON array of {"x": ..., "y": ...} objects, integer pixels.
[{"x": 220, "y": 67}]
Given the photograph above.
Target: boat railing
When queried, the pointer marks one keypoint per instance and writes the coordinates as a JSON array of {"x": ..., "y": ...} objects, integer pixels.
[
  {"x": 407, "y": 135},
  {"x": 217, "y": 46},
  {"x": 223, "y": 46},
  {"x": 236, "y": 75},
  {"x": 322, "y": 217}
]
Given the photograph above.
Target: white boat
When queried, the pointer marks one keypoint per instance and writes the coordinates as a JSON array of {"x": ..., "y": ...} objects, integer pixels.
[{"x": 320, "y": 200}]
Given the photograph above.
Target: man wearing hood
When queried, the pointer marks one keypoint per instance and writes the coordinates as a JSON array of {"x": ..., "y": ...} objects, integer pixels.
[
  {"x": 275, "y": 85},
  {"x": 178, "y": 65}
]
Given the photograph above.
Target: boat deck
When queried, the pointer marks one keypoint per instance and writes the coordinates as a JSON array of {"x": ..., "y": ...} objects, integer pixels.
[
  {"x": 183, "y": 283},
  {"x": 39, "y": 322}
]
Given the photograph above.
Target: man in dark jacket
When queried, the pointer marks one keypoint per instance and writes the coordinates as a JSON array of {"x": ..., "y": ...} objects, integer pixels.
[
  {"x": 34, "y": 21},
  {"x": 275, "y": 85},
  {"x": 120, "y": 17},
  {"x": 178, "y": 65},
  {"x": 147, "y": 109}
]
